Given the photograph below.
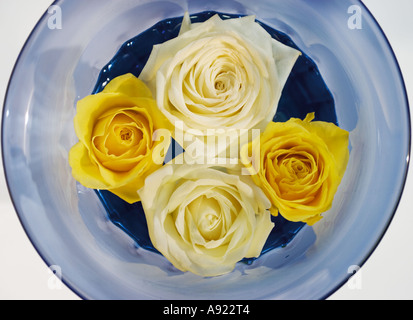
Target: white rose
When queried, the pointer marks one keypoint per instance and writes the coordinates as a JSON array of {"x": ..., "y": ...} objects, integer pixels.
[
  {"x": 205, "y": 219},
  {"x": 219, "y": 74}
]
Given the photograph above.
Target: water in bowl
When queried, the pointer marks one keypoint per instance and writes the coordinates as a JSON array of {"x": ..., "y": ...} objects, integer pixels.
[{"x": 305, "y": 91}]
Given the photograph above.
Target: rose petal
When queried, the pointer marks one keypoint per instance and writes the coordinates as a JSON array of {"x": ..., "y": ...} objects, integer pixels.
[
  {"x": 302, "y": 163},
  {"x": 122, "y": 138},
  {"x": 128, "y": 85},
  {"x": 219, "y": 74},
  {"x": 203, "y": 219},
  {"x": 83, "y": 169}
]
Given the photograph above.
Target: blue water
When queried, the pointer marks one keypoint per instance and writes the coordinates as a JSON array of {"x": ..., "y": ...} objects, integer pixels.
[{"x": 305, "y": 91}]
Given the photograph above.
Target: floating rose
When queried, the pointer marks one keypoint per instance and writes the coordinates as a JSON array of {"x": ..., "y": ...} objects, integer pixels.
[
  {"x": 299, "y": 165},
  {"x": 219, "y": 74},
  {"x": 117, "y": 131},
  {"x": 203, "y": 219}
]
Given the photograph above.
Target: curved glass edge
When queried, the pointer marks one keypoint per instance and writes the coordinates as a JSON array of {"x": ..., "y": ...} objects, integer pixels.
[
  {"x": 42, "y": 256},
  {"x": 408, "y": 151}
]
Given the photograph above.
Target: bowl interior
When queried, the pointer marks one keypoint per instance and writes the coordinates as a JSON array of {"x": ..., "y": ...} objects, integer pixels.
[{"x": 68, "y": 224}]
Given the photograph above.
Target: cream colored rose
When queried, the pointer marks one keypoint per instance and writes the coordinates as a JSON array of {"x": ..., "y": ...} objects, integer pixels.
[
  {"x": 219, "y": 74},
  {"x": 205, "y": 219}
]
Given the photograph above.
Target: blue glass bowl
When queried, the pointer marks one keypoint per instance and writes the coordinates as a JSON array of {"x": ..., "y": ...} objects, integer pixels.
[{"x": 68, "y": 224}]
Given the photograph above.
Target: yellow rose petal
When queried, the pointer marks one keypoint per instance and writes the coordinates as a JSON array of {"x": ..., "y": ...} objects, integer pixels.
[
  {"x": 92, "y": 107},
  {"x": 336, "y": 140},
  {"x": 301, "y": 164},
  {"x": 83, "y": 169},
  {"x": 119, "y": 138},
  {"x": 128, "y": 85}
]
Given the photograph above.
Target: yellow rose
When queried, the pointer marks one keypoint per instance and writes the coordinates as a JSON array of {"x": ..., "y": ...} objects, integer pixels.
[
  {"x": 205, "y": 219},
  {"x": 299, "y": 165},
  {"x": 218, "y": 76},
  {"x": 119, "y": 143}
]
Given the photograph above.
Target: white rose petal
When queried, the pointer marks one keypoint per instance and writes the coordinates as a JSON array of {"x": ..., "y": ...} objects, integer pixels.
[
  {"x": 219, "y": 74},
  {"x": 204, "y": 219}
]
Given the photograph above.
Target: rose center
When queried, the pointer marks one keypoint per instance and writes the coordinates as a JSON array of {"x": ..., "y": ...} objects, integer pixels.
[
  {"x": 296, "y": 167},
  {"x": 121, "y": 137},
  {"x": 225, "y": 81},
  {"x": 220, "y": 85},
  {"x": 125, "y": 134},
  {"x": 209, "y": 219}
]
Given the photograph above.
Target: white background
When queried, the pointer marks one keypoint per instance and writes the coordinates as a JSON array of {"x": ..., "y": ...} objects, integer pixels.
[{"x": 388, "y": 273}]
